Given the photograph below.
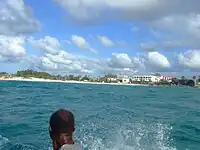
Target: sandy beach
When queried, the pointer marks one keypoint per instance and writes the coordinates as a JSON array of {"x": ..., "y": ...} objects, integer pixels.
[{"x": 66, "y": 81}]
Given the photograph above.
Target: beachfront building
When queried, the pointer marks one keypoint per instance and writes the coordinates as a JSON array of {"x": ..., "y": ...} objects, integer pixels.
[
  {"x": 166, "y": 78},
  {"x": 151, "y": 78},
  {"x": 123, "y": 79},
  {"x": 112, "y": 79},
  {"x": 146, "y": 78}
]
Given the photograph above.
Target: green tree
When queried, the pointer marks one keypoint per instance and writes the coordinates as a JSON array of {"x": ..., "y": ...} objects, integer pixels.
[
  {"x": 163, "y": 82},
  {"x": 3, "y": 73},
  {"x": 71, "y": 77},
  {"x": 31, "y": 73},
  {"x": 198, "y": 78},
  {"x": 110, "y": 76},
  {"x": 85, "y": 78}
]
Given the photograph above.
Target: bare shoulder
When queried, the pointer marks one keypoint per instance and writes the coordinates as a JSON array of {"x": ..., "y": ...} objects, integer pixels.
[{"x": 71, "y": 147}]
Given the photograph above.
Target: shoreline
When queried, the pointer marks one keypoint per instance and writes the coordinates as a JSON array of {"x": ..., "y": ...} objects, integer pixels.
[{"x": 66, "y": 81}]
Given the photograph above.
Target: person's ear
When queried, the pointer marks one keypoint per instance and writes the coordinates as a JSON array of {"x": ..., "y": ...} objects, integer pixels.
[{"x": 50, "y": 133}]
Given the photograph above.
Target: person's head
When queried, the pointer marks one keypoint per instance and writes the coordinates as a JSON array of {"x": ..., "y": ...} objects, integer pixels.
[{"x": 61, "y": 128}]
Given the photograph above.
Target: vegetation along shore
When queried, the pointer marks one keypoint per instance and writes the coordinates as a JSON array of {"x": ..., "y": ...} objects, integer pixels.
[{"x": 153, "y": 80}]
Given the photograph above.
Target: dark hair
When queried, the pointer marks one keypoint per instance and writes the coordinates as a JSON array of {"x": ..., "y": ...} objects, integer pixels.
[{"x": 62, "y": 121}]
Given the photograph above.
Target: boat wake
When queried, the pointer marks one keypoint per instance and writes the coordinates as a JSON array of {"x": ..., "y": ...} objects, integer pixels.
[
  {"x": 138, "y": 136},
  {"x": 3, "y": 142},
  {"x": 132, "y": 137}
]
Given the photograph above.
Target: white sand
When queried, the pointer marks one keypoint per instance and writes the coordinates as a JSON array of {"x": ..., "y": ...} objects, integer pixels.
[{"x": 60, "y": 81}]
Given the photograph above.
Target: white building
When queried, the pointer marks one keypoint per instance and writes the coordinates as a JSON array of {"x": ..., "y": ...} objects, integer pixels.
[
  {"x": 166, "y": 78},
  {"x": 146, "y": 78},
  {"x": 125, "y": 80},
  {"x": 112, "y": 79}
]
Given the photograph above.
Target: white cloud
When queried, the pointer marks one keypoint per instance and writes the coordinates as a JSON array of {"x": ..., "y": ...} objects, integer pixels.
[
  {"x": 95, "y": 9},
  {"x": 180, "y": 18},
  {"x": 67, "y": 63},
  {"x": 105, "y": 41},
  {"x": 16, "y": 18},
  {"x": 122, "y": 63},
  {"x": 120, "y": 60},
  {"x": 11, "y": 48},
  {"x": 81, "y": 43},
  {"x": 162, "y": 45},
  {"x": 61, "y": 58},
  {"x": 74, "y": 64},
  {"x": 175, "y": 31},
  {"x": 155, "y": 60},
  {"x": 119, "y": 63},
  {"x": 47, "y": 64},
  {"x": 53, "y": 59},
  {"x": 190, "y": 59},
  {"x": 47, "y": 44},
  {"x": 149, "y": 46},
  {"x": 188, "y": 23},
  {"x": 186, "y": 28},
  {"x": 56, "y": 60},
  {"x": 90, "y": 10}
]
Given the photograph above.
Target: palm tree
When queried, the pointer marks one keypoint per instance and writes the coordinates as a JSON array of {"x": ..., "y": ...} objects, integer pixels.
[
  {"x": 194, "y": 77},
  {"x": 198, "y": 78},
  {"x": 175, "y": 81}
]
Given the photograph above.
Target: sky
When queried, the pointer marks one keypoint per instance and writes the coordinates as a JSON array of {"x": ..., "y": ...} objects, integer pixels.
[{"x": 100, "y": 36}]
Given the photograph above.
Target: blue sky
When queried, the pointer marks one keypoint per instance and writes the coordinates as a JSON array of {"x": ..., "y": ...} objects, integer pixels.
[{"x": 100, "y": 36}]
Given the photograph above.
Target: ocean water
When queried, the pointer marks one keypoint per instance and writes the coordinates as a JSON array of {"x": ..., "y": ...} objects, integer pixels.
[{"x": 107, "y": 117}]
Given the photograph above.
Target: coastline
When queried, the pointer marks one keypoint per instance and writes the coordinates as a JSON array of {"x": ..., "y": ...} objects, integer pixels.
[{"x": 66, "y": 81}]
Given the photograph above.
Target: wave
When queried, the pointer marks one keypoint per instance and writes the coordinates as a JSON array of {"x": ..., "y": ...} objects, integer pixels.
[
  {"x": 138, "y": 136},
  {"x": 3, "y": 141},
  {"x": 5, "y": 144}
]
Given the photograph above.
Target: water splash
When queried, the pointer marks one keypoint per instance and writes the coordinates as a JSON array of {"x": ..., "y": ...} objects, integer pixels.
[
  {"x": 139, "y": 136},
  {"x": 5, "y": 144},
  {"x": 3, "y": 141}
]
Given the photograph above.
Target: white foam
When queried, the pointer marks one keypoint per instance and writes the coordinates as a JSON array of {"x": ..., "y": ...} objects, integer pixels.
[
  {"x": 3, "y": 141},
  {"x": 139, "y": 136}
]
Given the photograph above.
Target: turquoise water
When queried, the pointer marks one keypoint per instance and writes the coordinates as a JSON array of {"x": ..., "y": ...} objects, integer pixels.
[{"x": 107, "y": 117}]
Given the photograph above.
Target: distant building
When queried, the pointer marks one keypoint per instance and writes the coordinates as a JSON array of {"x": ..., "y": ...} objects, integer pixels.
[
  {"x": 146, "y": 78},
  {"x": 125, "y": 80},
  {"x": 166, "y": 78},
  {"x": 112, "y": 79}
]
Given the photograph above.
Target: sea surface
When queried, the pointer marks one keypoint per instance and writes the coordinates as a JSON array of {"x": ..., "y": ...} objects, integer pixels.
[{"x": 108, "y": 117}]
